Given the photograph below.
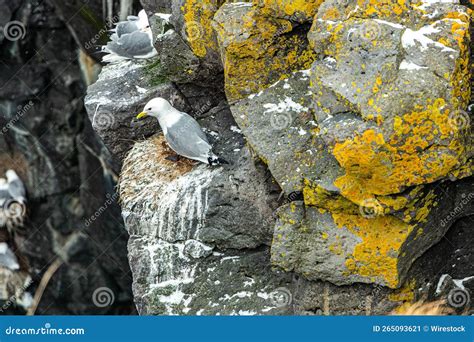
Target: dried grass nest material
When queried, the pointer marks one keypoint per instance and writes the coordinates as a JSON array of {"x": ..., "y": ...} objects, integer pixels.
[
  {"x": 146, "y": 165},
  {"x": 437, "y": 308}
]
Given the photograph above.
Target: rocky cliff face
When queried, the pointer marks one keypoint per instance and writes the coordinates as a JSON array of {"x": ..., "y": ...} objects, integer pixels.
[
  {"x": 348, "y": 128},
  {"x": 46, "y": 136}
]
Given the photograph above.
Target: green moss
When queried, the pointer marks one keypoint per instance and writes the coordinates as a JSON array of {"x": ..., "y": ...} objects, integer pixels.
[{"x": 154, "y": 73}]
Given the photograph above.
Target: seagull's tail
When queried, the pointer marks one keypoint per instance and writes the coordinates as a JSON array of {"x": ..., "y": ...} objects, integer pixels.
[{"x": 215, "y": 160}]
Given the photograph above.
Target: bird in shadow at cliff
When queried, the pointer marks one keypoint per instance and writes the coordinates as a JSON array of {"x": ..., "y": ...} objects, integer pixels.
[
  {"x": 131, "y": 39},
  {"x": 182, "y": 132}
]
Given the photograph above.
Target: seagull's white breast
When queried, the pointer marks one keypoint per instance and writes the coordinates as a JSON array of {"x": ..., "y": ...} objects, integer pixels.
[{"x": 169, "y": 119}]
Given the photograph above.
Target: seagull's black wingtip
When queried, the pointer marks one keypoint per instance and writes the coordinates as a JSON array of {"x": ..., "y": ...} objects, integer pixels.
[{"x": 215, "y": 161}]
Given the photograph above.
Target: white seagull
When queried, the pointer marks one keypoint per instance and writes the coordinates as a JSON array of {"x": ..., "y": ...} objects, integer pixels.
[
  {"x": 182, "y": 132},
  {"x": 131, "y": 39}
]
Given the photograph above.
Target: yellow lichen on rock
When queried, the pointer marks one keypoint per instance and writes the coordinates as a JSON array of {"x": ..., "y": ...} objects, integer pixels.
[
  {"x": 257, "y": 50},
  {"x": 316, "y": 196},
  {"x": 301, "y": 10},
  {"x": 461, "y": 37},
  {"x": 405, "y": 293},
  {"x": 425, "y": 146},
  {"x": 383, "y": 8},
  {"x": 197, "y": 28},
  {"x": 377, "y": 255}
]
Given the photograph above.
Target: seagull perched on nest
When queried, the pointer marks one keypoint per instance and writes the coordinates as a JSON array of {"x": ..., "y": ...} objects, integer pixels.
[
  {"x": 131, "y": 39},
  {"x": 182, "y": 132}
]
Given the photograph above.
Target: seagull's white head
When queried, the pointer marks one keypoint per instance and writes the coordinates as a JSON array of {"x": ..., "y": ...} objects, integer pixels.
[
  {"x": 143, "y": 24},
  {"x": 158, "y": 107},
  {"x": 11, "y": 175}
]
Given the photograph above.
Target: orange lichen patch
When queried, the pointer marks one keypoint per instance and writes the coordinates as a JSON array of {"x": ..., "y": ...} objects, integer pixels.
[
  {"x": 198, "y": 16},
  {"x": 424, "y": 147},
  {"x": 304, "y": 9},
  {"x": 270, "y": 51},
  {"x": 377, "y": 255}
]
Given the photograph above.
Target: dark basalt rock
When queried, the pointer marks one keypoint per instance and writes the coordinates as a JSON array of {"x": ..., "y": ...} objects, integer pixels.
[{"x": 70, "y": 176}]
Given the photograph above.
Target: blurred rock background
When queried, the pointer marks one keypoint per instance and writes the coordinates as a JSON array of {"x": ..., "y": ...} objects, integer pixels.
[{"x": 73, "y": 215}]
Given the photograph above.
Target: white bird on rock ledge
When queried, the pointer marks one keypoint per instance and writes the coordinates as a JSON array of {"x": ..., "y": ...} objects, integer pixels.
[
  {"x": 131, "y": 39},
  {"x": 182, "y": 132}
]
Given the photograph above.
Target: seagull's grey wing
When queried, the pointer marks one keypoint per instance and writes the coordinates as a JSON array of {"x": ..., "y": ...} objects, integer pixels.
[
  {"x": 133, "y": 18},
  {"x": 125, "y": 27},
  {"x": 131, "y": 45},
  {"x": 187, "y": 139},
  {"x": 4, "y": 193},
  {"x": 191, "y": 123}
]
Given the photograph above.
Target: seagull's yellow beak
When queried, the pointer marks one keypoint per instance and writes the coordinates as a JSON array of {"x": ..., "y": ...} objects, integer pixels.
[{"x": 142, "y": 115}]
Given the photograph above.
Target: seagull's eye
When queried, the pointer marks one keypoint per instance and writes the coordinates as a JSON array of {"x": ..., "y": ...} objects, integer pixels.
[{"x": 149, "y": 108}]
